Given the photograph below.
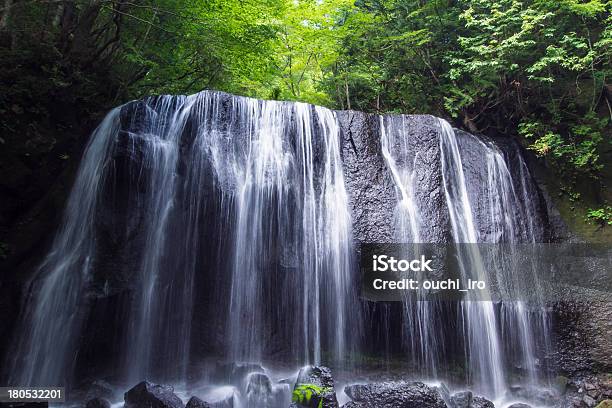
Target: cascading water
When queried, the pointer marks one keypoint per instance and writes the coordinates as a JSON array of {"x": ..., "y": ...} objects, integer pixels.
[
  {"x": 480, "y": 323},
  {"x": 506, "y": 219},
  {"x": 160, "y": 144},
  {"x": 44, "y": 352},
  {"x": 401, "y": 157},
  {"x": 290, "y": 200},
  {"x": 394, "y": 144},
  {"x": 508, "y": 216},
  {"x": 278, "y": 184},
  {"x": 493, "y": 333}
]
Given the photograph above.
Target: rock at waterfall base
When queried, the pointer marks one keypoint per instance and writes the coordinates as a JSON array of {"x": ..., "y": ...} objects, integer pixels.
[
  {"x": 195, "y": 402},
  {"x": 393, "y": 395},
  {"x": 465, "y": 399},
  {"x": 147, "y": 395},
  {"x": 318, "y": 382},
  {"x": 462, "y": 399},
  {"x": 98, "y": 403},
  {"x": 481, "y": 402},
  {"x": 587, "y": 392}
]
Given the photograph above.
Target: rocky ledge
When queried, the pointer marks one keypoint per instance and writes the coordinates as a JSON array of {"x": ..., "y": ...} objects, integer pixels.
[
  {"x": 314, "y": 387},
  {"x": 394, "y": 395}
]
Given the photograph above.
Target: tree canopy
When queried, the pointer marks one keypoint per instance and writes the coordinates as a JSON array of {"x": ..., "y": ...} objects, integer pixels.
[{"x": 536, "y": 70}]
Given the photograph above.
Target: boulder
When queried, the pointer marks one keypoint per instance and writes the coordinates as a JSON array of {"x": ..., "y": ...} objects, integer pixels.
[
  {"x": 519, "y": 405},
  {"x": 394, "y": 395},
  {"x": 462, "y": 399},
  {"x": 148, "y": 395},
  {"x": 195, "y": 402},
  {"x": 315, "y": 388},
  {"x": 589, "y": 401},
  {"x": 481, "y": 402},
  {"x": 98, "y": 403}
]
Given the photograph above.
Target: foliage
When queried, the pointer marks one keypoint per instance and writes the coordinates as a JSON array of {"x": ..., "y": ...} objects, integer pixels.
[
  {"x": 303, "y": 394},
  {"x": 537, "y": 70},
  {"x": 600, "y": 216}
]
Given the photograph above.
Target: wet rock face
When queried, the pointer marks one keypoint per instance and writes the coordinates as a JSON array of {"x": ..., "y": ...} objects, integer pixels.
[
  {"x": 588, "y": 392},
  {"x": 424, "y": 152},
  {"x": 370, "y": 184},
  {"x": 393, "y": 395},
  {"x": 147, "y": 395},
  {"x": 478, "y": 157},
  {"x": 582, "y": 327},
  {"x": 368, "y": 181}
]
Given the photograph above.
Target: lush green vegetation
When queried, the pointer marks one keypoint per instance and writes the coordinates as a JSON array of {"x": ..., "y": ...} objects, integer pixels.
[
  {"x": 537, "y": 70},
  {"x": 308, "y": 395},
  {"x": 601, "y": 216}
]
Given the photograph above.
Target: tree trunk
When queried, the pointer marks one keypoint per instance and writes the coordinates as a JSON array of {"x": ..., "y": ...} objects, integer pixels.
[{"x": 346, "y": 90}]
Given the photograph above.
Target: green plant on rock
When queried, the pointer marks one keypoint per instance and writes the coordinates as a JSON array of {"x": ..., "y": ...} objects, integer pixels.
[
  {"x": 304, "y": 393},
  {"x": 601, "y": 216}
]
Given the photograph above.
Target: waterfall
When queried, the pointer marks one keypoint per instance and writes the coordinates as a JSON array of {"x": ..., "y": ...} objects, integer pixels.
[
  {"x": 50, "y": 325},
  {"x": 291, "y": 199},
  {"x": 159, "y": 138},
  {"x": 484, "y": 206},
  {"x": 395, "y": 149},
  {"x": 494, "y": 338},
  {"x": 510, "y": 218},
  {"x": 219, "y": 228},
  {"x": 483, "y": 343},
  {"x": 420, "y": 330},
  {"x": 270, "y": 171}
]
